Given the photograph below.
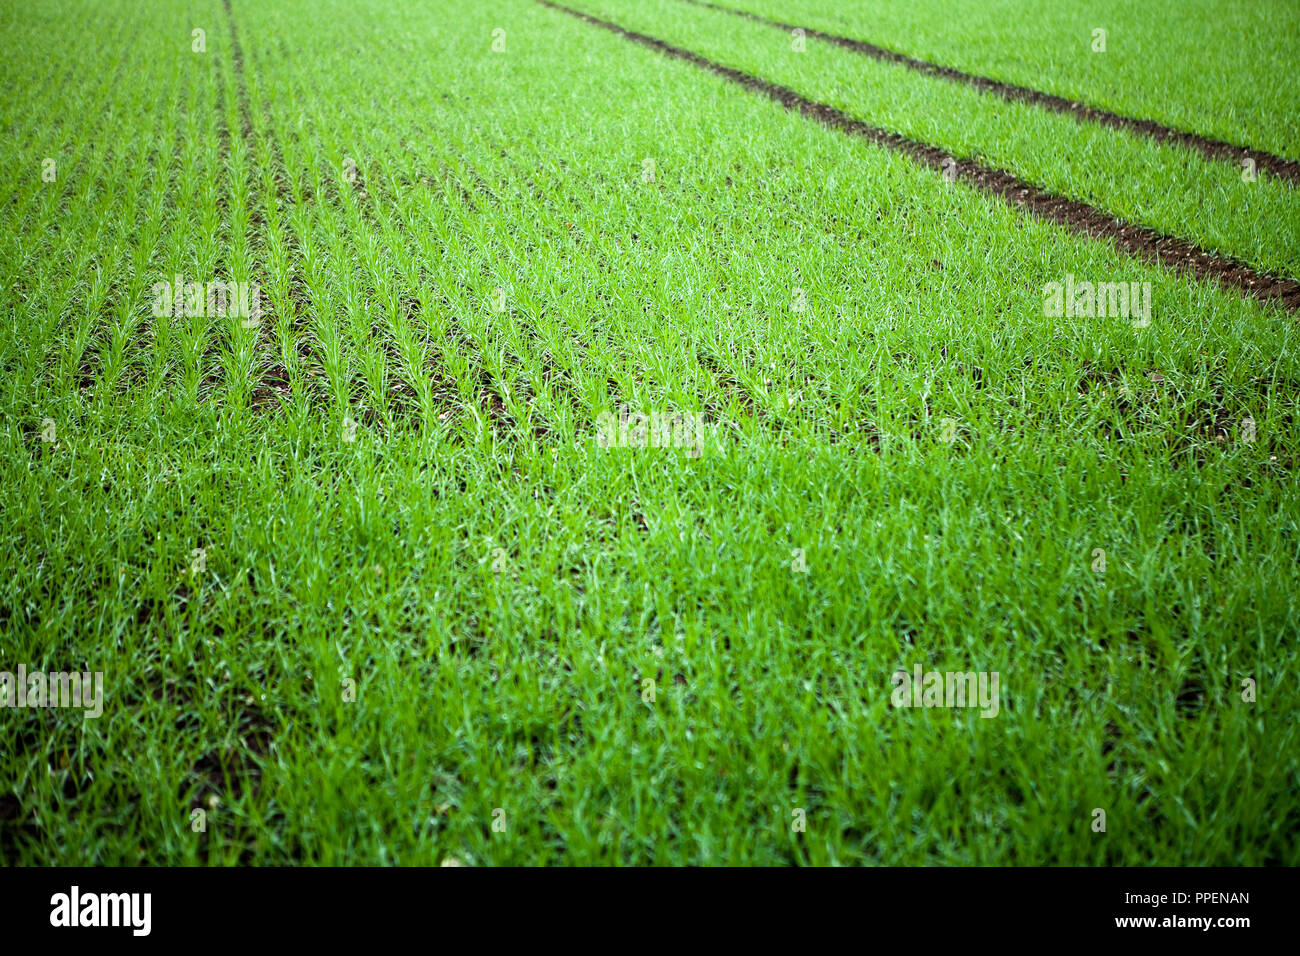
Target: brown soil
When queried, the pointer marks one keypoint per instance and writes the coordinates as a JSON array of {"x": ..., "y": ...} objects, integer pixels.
[
  {"x": 1287, "y": 169},
  {"x": 1138, "y": 241}
]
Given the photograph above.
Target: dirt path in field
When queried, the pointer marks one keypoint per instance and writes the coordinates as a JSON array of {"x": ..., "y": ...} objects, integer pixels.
[
  {"x": 1286, "y": 169},
  {"x": 1138, "y": 241}
]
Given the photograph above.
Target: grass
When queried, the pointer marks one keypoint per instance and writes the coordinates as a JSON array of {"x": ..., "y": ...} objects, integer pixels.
[
  {"x": 1173, "y": 189},
  {"x": 1220, "y": 69},
  {"x": 500, "y": 587}
]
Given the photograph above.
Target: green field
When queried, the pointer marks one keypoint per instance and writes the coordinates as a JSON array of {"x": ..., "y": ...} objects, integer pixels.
[
  {"x": 1222, "y": 69},
  {"x": 364, "y": 579}
]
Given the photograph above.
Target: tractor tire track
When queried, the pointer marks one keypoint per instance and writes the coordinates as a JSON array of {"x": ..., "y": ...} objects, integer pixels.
[
  {"x": 1286, "y": 169},
  {"x": 1140, "y": 242}
]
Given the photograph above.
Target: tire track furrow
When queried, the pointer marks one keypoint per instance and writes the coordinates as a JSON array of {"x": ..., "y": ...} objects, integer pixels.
[
  {"x": 1286, "y": 169},
  {"x": 1140, "y": 242}
]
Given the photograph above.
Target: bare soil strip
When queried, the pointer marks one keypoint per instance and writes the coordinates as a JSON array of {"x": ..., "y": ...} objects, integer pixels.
[
  {"x": 1138, "y": 241},
  {"x": 1286, "y": 169},
  {"x": 237, "y": 57}
]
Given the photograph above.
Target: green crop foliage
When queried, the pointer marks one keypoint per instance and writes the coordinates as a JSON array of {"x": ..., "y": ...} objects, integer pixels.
[
  {"x": 1174, "y": 189},
  {"x": 366, "y": 588},
  {"x": 1221, "y": 68}
]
